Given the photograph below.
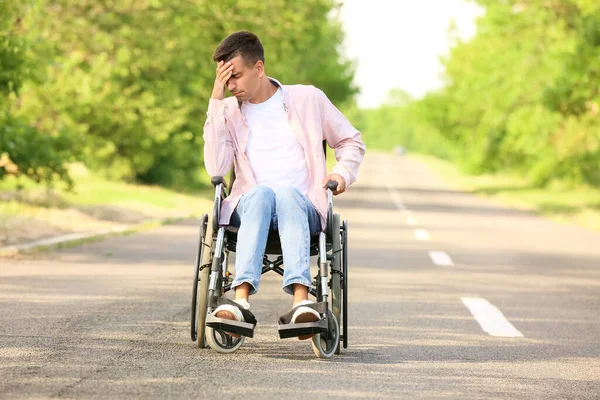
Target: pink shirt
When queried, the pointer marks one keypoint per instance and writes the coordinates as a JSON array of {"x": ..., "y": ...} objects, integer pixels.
[{"x": 312, "y": 118}]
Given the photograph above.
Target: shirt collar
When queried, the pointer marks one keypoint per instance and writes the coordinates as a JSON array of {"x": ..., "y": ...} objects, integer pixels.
[{"x": 283, "y": 91}]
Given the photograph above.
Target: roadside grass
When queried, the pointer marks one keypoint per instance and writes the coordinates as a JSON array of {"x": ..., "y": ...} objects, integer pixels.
[
  {"x": 29, "y": 211},
  {"x": 561, "y": 202},
  {"x": 92, "y": 189}
]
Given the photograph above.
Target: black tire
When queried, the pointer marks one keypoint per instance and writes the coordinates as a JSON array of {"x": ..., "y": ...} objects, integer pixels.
[
  {"x": 203, "y": 289},
  {"x": 199, "y": 253},
  {"x": 336, "y": 269},
  {"x": 345, "y": 282},
  {"x": 202, "y": 286}
]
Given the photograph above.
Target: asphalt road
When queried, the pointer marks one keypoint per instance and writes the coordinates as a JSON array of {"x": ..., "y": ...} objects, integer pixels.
[{"x": 450, "y": 297}]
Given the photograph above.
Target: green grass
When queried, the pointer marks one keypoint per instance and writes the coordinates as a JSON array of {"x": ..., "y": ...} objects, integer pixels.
[
  {"x": 92, "y": 189},
  {"x": 30, "y": 211},
  {"x": 564, "y": 203}
]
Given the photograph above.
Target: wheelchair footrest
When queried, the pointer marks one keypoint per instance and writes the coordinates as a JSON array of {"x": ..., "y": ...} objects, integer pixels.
[
  {"x": 301, "y": 329},
  {"x": 227, "y": 325}
]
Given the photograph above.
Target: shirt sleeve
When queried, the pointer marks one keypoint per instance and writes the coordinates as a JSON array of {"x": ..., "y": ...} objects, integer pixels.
[
  {"x": 343, "y": 138},
  {"x": 218, "y": 145}
]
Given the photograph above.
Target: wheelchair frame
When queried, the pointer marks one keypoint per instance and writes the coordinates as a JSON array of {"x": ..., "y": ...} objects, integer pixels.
[{"x": 212, "y": 280}]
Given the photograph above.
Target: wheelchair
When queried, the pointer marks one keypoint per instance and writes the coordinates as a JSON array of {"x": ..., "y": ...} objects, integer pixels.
[{"x": 212, "y": 280}]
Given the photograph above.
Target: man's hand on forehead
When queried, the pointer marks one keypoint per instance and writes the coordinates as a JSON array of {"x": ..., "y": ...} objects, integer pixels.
[{"x": 223, "y": 73}]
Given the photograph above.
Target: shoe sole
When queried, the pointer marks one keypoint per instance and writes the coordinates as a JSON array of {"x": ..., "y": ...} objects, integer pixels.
[
  {"x": 228, "y": 315},
  {"x": 306, "y": 317}
]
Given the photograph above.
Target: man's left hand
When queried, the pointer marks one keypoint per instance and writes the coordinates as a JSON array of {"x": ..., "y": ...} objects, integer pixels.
[{"x": 341, "y": 187}]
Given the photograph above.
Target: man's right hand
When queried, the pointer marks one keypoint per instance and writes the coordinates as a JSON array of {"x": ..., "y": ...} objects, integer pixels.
[{"x": 224, "y": 71}]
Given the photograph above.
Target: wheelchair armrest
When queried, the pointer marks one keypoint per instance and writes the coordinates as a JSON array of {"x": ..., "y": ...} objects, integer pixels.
[
  {"x": 219, "y": 182},
  {"x": 332, "y": 185},
  {"x": 215, "y": 180}
]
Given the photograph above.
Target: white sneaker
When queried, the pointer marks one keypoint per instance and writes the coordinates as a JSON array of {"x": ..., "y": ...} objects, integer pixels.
[
  {"x": 228, "y": 311},
  {"x": 305, "y": 314}
]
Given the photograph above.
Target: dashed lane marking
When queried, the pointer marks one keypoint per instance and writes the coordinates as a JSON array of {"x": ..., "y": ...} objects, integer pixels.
[
  {"x": 490, "y": 318},
  {"x": 421, "y": 234},
  {"x": 441, "y": 258}
]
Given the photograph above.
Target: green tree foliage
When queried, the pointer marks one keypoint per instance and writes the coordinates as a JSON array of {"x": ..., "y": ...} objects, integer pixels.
[
  {"x": 522, "y": 95},
  {"x": 128, "y": 82},
  {"x": 25, "y": 147}
]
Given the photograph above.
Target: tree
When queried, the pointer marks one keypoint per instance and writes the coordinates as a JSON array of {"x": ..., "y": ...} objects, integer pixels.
[
  {"x": 129, "y": 81},
  {"x": 25, "y": 148},
  {"x": 523, "y": 94}
]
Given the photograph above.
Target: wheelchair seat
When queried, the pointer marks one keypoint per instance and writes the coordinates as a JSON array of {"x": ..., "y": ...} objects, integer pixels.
[{"x": 273, "y": 243}]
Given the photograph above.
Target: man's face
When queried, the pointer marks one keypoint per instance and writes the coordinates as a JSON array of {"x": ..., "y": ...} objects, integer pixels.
[{"x": 244, "y": 81}]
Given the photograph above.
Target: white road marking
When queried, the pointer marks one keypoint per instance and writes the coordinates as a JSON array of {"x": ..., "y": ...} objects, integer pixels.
[
  {"x": 421, "y": 234},
  {"x": 396, "y": 197},
  {"x": 441, "y": 258},
  {"x": 490, "y": 318},
  {"x": 397, "y": 200}
]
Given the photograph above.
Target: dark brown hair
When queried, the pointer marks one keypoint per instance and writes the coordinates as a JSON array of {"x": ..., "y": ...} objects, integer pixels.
[{"x": 243, "y": 43}]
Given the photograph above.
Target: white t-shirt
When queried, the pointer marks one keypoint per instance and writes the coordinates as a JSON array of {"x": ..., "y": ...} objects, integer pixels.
[{"x": 275, "y": 155}]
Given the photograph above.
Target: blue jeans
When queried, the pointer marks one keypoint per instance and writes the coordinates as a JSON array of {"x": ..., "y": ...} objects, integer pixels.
[{"x": 293, "y": 215}]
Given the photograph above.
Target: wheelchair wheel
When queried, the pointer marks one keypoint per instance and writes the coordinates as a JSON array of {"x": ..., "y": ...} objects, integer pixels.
[
  {"x": 336, "y": 269},
  {"x": 221, "y": 342},
  {"x": 201, "y": 279},
  {"x": 345, "y": 284},
  {"x": 326, "y": 344},
  {"x": 194, "y": 319}
]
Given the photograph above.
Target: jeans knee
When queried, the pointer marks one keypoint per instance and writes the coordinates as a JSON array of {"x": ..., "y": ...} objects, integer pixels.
[
  {"x": 260, "y": 196},
  {"x": 262, "y": 191},
  {"x": 288, "y": 195}
]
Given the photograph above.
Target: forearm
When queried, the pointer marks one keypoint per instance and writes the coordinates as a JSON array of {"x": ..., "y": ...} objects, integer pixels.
[
  {"x": 218, "y": 148},
  {"x": 349, "y": 153},
  {"x": 343, "y": 138}
]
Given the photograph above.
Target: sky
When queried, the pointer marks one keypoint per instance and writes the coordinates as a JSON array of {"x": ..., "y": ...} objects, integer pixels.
[{"x": 396, "y": 44}]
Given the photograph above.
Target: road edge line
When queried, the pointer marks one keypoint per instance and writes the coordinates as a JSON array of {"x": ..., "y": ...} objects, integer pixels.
[{"x": 78, "y": 238}]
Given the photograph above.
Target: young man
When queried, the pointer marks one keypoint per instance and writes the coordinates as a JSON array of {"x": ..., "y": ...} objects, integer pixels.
[{"x": 273, "y": 134}]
